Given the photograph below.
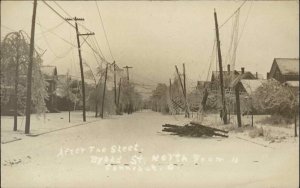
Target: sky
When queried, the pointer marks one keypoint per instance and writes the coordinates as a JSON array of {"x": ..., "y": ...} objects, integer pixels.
[{"x": 154, "y": 36}]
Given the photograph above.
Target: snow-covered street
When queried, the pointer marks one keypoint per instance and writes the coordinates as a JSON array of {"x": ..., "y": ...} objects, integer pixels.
[{"x": 132, "y": 151}]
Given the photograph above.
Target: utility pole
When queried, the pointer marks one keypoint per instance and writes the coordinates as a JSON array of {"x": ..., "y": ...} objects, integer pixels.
[
  {"x": 224, "y": 111},
  {"x": 29, "y": 73},
  {"x": 16, "y": 84},
  {"x": 80, "y": 61},
  {"x": 127, "y": 71},
  {"x": 238, "y": 108},
  {"x": 184, "y": 83},
  {"x": 182, "y": 87},
  {"x": 170, "y": 89},
  {"x": 103, "y": 96},
  {"x": 118, "y": 100},
  {"x": 69, "y": 100},
  {"x": 119, "y": 93},
  {"x": 115, "y": 83},
  {"x": 128, "y": 105}
]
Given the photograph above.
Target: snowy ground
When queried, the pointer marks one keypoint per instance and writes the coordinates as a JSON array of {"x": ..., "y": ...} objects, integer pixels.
[
  {"x": 40, "y": 124},
  {"x": 88, "y": 155}
]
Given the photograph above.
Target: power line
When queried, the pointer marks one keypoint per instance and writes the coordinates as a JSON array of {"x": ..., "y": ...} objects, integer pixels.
[
  {"x": 62, "y": 9},
  {"x": 58, "y": 14},
  {"x": 98, "y": 47},
  {"x": 58, "y": 36},
  {"x": 211, "y": 59},
  {"x": 245, "y": 23},
  {"x": 75, "y": 28},
  {"x": 232, "y": 14},
  {"x": 51, "y": 49},
  {"x": 96, "y": 59},
  {"x": 104, "y": 30},
  {"x": 51, "y": 29},
  {"x": 7, "y": 27}
]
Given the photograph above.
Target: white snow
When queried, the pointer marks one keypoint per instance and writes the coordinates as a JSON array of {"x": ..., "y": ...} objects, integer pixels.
[{"x": 222, "y": 162}]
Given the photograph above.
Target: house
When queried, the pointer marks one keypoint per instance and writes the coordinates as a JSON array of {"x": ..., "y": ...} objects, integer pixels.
[
  {"x": 245, "y": 76},
  {"x": 250, "y": 86},
  {"x": 50, "y": 75},
  {"x": 228, "y": 77},
  {"x": 284, "y": 69},
  {"x": 202, "y": 84}
]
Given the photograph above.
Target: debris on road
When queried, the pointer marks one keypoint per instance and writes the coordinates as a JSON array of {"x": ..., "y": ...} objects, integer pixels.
[{"x": 194, "y": 129}]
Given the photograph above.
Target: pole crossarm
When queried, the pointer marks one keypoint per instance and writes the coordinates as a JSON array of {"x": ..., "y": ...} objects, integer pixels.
[
  {"x": 86, "y": 34},
  {"x": 127, "y": 70}
]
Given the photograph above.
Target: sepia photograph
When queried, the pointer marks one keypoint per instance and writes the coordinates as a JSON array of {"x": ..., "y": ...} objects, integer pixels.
[{"x": 142, "y": 93}]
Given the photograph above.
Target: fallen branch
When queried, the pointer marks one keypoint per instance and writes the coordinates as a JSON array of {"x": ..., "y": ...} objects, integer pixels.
[
  {"x": 215, "y": 129},
  {"x": 192, "y": 130}
]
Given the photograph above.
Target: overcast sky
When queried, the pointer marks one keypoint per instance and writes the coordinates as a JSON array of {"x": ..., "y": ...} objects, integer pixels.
[{"x": 154, "y": 36}]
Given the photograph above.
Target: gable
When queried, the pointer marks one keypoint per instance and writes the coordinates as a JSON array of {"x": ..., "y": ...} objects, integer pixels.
[{"x": 287, "y": 66}]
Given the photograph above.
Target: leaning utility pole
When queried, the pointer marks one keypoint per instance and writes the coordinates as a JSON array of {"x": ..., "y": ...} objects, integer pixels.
[
  {"x": 29, "y": 73},
  {"x": 224, "y": 111},
  {"x": 127, "y": 71},
  {"x": 182, "y": 87},
  {"x": 103, "y": 96},
  {"x": 184, "y": 82},
  {"x": 80, "y": 61}
]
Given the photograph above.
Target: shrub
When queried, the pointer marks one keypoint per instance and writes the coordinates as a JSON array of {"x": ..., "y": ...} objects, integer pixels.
[
  {"x": 277, "y": 120},
  {"x": 276, "y": 99},
  {"x": 256, "y": 132}
]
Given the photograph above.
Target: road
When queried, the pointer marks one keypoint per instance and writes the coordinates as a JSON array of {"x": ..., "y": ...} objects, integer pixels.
[{"x": 131, "y": 151}]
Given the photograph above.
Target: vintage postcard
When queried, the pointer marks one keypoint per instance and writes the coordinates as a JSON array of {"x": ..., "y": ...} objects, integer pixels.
[{"x": 149, "y": 94}]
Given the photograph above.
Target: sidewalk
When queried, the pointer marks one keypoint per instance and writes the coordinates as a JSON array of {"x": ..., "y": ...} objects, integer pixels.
[{"x": 41, "y": 124}]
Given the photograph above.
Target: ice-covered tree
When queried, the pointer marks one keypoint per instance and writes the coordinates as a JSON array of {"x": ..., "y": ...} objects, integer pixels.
[
  {"x": 14, "y": 62},
  {"x": 276, "y": 99}
]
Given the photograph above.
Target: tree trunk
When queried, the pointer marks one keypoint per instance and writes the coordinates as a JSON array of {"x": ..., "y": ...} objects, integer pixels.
[{"x": 96, "y": 108}]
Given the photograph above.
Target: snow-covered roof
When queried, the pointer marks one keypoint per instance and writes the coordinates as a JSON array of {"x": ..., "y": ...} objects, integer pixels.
[
  {"x": 292, "y": 83},
  {"x": 252, "y": 85},
  {"x": 246, "y": 75},
  {"x": 288, "y": 66}
]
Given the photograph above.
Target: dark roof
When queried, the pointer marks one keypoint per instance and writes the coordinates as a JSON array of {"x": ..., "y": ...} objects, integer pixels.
[
  {"x": 287, "y": 66},
  {"x": 202, "y": 84},
  {"x": 216, "y": 74}
]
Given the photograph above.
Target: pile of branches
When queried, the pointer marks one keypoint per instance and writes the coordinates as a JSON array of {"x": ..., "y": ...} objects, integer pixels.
[{"x": 194, "y": 130}]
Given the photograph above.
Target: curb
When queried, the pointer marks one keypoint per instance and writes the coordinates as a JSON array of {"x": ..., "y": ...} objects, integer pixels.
[
  {"x": 14, "y": 140},
  {"x": 76, "y": 125}
]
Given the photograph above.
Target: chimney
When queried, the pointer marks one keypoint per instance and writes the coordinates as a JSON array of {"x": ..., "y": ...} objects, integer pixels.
[
  {"x": 228, "y": 68},
  {"x": 243, "y": 70},
  {"x": 256, "y": 75}
]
